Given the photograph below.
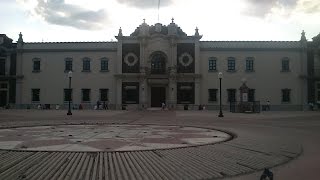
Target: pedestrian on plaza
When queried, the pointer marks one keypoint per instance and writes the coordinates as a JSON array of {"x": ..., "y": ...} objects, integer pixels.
[
  {"x": 163, "y": 106},
  {"x": 98, "y": 105},
  {"x": 268, "y": 106},
  {"x": 266, "y": 174}
]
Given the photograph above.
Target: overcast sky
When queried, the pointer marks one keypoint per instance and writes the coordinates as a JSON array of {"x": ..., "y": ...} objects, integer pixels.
[{"x": 99, "y": 20}]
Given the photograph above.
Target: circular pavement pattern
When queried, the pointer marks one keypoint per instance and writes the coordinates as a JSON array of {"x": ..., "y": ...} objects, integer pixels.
[
  {"x": 124, "y": 146},
  {"x": 106, "y": 137}
]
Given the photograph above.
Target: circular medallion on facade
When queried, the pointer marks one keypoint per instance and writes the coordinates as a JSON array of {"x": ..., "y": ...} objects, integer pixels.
[
  {"x": 130, "y": 59},
  {"x": 185, "y": 59}
]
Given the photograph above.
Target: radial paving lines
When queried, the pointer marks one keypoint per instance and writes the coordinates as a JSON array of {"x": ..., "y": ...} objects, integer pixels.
[{"x": 133, "y": 152}]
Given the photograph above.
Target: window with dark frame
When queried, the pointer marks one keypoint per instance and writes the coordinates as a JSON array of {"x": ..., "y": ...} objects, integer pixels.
[
  {"x": 212, "y": 64},
  {"x": 86, "y": 64},
  {"x": 286, "y": 95},
  {"x": 104, "y": 94},
  {"x": 2, "y": 66},
  {"x": 104, "y": 64},
  {"x": 251, "y": 95},
  {"x": 231, "y": 64},
  {"x": 231, "y": 95},
  {"x": 35, "y": 95},
  {"x": 285, "y": 64},
  {"x": 68, "y": 64},
  {"x": 249, "y": 64},
  {"x": 67, "y": 95},
  {"x": 130, "y": 93},
  {"x": 36, "y": 65},
  {"x": 212, "y": 95},
  {"x": 185, "y": 93},
  {"x": 85, "y": 95}
]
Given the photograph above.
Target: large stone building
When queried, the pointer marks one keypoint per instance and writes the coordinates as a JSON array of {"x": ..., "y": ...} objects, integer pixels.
[
  {"x": 159, "y": 63},
  {"x": 7, "y": 71}
]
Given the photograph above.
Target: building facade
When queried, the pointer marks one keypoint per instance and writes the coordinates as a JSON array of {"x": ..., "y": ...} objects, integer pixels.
[
  {"x": 161, "y": 64},
  {"x": 7, "y": 71}
]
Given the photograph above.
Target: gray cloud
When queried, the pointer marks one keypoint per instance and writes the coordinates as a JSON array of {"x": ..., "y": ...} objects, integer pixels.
[
  {"x": 146, "y": 3},
  {"x": 311, "y": 6},
  {"x": 260, "y": 8},
  {"x": 59, "y": 13}
]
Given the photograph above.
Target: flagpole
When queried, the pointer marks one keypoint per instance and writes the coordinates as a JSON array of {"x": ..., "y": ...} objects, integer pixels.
[{"x": 158, "y": 10}]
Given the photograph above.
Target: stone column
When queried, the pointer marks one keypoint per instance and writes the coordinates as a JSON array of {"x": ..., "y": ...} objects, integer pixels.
[
  {"x": 7, "y": 69},
  {"x": 118, "y": 71},
  {"x": 197, "y": 92},
  {"x": 118, "y": 92},
  {"x": 19, "y": 74},
  {"x": 197, "y": 72},
  {"x": 173, "y": 73}
]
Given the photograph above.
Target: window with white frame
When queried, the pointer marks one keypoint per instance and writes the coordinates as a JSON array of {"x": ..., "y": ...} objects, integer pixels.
[
  {"x": 212, "y": 95},
  {"x": 67, "y": 95},
  {"x": 68, "y": 65},
  {"x": 35, "y": 94},
  {"x": 36, "y": 64},
  {"x": 231, "y": 64},
  {"x": 85, "y": 95},
  {"x": 104, "y": 94},
  {"x": 249, "y": 64},
  {"x": 104, "y": 66},
  {"x": 86, "y": 64},
  {"x": 286, "y": 95},
  {"x": 285, "y": 64},
  {"x": 212, "y": 63}
]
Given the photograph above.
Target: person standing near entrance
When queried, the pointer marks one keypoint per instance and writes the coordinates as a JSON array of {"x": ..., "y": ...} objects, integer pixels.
[
  {"x": 268, "y": 106},
  {"x": 163, "y": 105}
]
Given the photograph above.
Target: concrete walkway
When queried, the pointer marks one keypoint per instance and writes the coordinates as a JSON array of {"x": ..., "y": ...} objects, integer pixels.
[{"x": 261, "y": 140}]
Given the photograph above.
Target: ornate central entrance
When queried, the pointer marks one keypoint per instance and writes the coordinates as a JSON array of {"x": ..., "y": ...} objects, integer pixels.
[{"x": 158, "y": 96}]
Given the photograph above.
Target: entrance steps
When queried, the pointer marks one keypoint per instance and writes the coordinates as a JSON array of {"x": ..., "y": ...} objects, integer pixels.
[{"x": 154, "y": 109}]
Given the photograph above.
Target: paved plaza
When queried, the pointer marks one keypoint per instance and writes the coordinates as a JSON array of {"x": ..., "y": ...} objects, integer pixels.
[{"x": 48, "y": 144}]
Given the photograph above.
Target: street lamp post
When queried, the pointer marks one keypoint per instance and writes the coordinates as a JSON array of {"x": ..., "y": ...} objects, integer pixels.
[
  {"x": 220, "y": 78},
  {"x": 70, "y": 94}
]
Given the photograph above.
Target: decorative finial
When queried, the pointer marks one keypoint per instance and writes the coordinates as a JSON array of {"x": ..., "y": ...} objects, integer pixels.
[
  {"x": 197, "y": 32},
  {"x": 120, "y": 32},
  {"x": 172, "y": 20},
  {"x": 20, "y": 38},
  {"x": 144, "y": 21},
  {"x": 303, "y": 36}
]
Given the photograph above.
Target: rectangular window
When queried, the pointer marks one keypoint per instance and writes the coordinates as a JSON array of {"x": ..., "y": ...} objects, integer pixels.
[
  {"x": 130, "y": 93},
  {"x": 2, "y": 66},
  {"x": 67, "y": 95},
  {"x": 85, "y": 95},
  {"x": 231, "y": 64},
  {"x": 185, "y": 93},
  {"x": 68, "y": 65},
  {"x": 286, "y": 95},
  {"x": 36, "y": 66},
  {"x": 104, "y": 94},
  {"x": 86, "y": 65},
  {"x": 231, "y": 95},
  {"x": 212, "y": 94},
  {"x": 251, "y": 95},
  {"x": 104, "y": 65},
  {"x": 212, "y": 64},
  {"x": 249, "y": 64},
  {"x": 285, "y": 64},
  {"x": 35, "y": 95}
]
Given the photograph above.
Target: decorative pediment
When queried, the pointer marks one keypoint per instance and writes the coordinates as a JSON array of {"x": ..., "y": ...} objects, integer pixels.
[{"x": 158, "y": 28}]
